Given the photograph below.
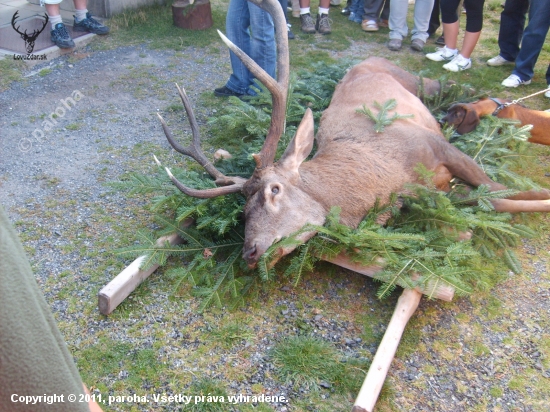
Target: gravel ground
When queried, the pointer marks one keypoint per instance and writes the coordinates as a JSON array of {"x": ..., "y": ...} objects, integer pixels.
[{"x": 468, "y": 355}]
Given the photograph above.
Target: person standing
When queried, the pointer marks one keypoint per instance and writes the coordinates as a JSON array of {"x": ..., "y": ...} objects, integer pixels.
[
  {"x": 322, "y": 24},
  {"x": 459, "y": 61},
  {"x": 398, "y": 23},
  {"x": 252, "y": 30},
  {"x": 532, "y": 41}
]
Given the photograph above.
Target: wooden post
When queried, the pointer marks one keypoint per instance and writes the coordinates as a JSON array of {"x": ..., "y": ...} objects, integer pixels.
[
  {"x": 192, "y": 14},
  {"x": 406, "y": 306}
]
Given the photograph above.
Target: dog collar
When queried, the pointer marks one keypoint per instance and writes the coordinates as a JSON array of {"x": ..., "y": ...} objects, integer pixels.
[{"x": 500, "y": 106}]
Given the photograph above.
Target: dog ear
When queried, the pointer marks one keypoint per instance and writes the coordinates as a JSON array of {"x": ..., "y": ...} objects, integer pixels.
[
  {"x": 462, "y": 117},
  {"x": 470, "y": 122}
]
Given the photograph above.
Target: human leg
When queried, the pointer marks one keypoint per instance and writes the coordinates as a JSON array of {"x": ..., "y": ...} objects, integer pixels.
[
  {"x": 59, "y": 34},
  {"x": 83, "y": 20},
  {"x": 422, "y": 12},
  {"x": 512, "y": 23},
  {"x": 238, "y": 31},
  {"x": 262, "y": 41},
  {"x": 533, "y": 39},
  {"x": 371, "y": 9},
  {"x": 398, "y": 19},
  {"x": 449, "y": 18},
  {"x": 434, "y": 23}
]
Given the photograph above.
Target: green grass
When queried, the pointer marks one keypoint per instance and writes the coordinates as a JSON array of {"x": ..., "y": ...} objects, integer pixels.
[{"x": 311, "y": 363}]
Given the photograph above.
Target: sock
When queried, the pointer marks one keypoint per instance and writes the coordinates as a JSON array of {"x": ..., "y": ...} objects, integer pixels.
[
  {"x": 80, "y": 15},
  {"x": 55, "y": 20},
  {"x": 323, "y": 11},
  {"x": 304, "y": 10},
  {"x": 462, "y": 59},
  {"x": 451, "y": 50}
]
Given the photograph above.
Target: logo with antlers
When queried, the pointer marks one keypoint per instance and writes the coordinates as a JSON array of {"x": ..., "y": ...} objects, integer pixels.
[{"x": 28, "y": 38}]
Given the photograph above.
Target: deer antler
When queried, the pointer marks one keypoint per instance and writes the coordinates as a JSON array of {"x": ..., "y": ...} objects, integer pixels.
[
  {"x": 13, "y": 19},
  {"x": 278, "y": 89},
  {"x": 24, "y": 35},
  {"x": 229, "y": 184},
  {"x": 279, "y": 92}
]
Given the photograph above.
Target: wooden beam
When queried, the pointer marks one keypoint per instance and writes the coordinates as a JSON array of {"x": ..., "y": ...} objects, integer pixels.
[
  {"x": 433, "y": 290},
  {"x": 118, "y": 289},
  {"x": 372, "y": 385}
]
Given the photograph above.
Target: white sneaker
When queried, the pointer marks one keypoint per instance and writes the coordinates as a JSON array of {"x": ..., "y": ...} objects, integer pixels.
[
  {"x": 458, "y": 64},
  {"x": 547, "y": 94},
  {"x": 498, "y": 61},
  {"x": 514, "y": 81},
  {"x": 442, "y": 54}
]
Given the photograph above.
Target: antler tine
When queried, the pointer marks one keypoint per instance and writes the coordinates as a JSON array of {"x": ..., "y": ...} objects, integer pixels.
[
  {"x": 279, "y": 88},
  {"x": 206, "y": 193},
  {"x": 228, "y": 184},
  {"x": 194, "y": 151},
  {"x": 13, "y": 19},
  {"x": 45, "y": 22}
]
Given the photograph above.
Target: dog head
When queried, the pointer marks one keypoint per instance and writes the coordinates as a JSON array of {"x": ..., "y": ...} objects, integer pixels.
[{"x": 463, "y": 117}]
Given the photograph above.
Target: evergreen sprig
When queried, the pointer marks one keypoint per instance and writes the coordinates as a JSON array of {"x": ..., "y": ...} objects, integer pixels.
[{"x": 381, "y": 120}]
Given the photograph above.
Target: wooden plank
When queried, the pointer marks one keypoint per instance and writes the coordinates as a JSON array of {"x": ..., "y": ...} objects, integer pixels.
[
  {"x": 433, "y": 290},
  {"x": 118, "y": 289},
  {"x": 372, "y": 385}
]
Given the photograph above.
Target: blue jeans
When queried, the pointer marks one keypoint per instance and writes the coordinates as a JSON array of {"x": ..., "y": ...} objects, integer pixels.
[
  {"x": 512, "y": 22},
  {"x": 252, "y": 30},
  {"x": 533, "y": 40}
]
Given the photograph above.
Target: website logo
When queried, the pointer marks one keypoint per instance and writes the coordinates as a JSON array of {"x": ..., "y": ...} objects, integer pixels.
[{"x": 28, "y": 38}]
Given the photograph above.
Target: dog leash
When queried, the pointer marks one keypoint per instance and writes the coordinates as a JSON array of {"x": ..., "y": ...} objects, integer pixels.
[{"x": 501, "y": 105}]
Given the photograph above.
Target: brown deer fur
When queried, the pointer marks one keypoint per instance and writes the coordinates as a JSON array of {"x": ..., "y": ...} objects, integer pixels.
[{"x": 466, "y": 117}]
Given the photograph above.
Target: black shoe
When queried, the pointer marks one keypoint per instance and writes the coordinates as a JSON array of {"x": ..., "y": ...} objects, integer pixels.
[
  {"x": 291, "y": 35},
  {"x": 90, "y": 25},
  {"x": 60, "y": 36},
  {"x": 440, "y": 41},
  {"x": 225, "y": 92}
]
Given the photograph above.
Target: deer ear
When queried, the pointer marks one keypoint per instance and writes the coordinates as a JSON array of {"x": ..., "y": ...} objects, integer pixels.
[{"x": 301, "y": 144}]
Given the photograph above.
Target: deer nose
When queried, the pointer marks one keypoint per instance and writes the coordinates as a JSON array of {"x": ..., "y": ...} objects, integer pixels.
[{"x": 250, "y": 255}]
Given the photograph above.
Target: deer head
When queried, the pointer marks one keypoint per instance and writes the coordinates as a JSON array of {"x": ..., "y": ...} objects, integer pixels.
[
  {"x": 276, "y": 204},
  {"x": 28, "y": 38}
]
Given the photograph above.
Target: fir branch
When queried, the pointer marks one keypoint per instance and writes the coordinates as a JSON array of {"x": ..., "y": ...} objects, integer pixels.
[{"x": 381, "y": 120}]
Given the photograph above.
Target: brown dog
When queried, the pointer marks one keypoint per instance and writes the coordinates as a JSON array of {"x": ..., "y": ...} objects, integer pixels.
[{"x": 465, "y": 117}]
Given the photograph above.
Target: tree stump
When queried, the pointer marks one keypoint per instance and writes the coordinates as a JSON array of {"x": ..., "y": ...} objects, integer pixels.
[{"x": 192, "y": 14}]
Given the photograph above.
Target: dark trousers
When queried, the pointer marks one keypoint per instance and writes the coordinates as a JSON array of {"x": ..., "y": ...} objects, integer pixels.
[
  {"x": 533, "y": 39},
  {"x": 512, "y": 23}
]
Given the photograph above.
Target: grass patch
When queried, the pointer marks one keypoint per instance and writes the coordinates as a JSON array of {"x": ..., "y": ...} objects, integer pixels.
[
  {"x": 311, "y": 363},
  {"x": 108, "y": 360},
  {"x": 10, "y": 71}
]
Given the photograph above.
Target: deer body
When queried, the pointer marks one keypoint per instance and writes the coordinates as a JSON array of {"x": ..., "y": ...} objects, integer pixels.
[{"x": 354, "y": 166}]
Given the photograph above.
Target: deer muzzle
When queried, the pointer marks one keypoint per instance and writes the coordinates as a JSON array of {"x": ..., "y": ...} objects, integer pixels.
[{"x": 251, "y": 255}]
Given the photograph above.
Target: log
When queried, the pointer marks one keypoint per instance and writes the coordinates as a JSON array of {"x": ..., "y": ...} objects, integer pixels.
[
  {"x": 192, "y": 14},
  {"x": 372, "y": 385},
  {"x": 118, "y": 289}
]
